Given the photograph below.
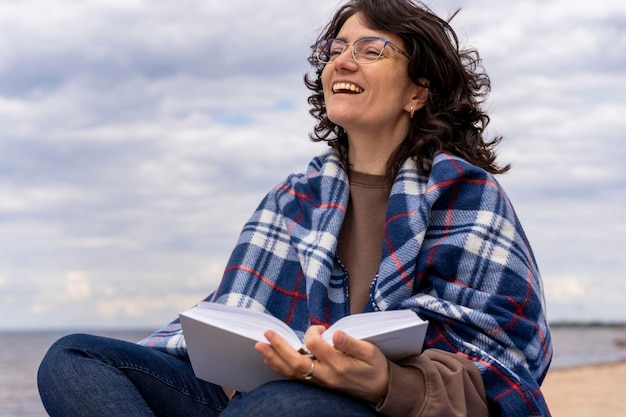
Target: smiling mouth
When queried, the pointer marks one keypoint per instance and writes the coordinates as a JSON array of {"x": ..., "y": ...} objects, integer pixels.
[{"x": 346, "y": 88}]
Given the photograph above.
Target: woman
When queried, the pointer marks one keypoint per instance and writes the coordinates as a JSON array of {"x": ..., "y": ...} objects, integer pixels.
[{"x": 402, "y": 213}]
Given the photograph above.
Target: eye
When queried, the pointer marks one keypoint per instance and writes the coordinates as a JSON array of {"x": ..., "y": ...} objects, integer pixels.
[
  {"x": 369, "y": 47},
  {"x": 371, "y": 51},
  {"x": 335, "y": 52},
  {"x": 335, "y": 49}
]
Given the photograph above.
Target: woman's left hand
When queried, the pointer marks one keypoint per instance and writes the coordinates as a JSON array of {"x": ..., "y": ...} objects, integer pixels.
[{"x": 353, "y": 366}]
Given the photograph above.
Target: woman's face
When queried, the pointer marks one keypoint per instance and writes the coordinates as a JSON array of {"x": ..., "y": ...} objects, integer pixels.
[{"x": 375, "y": 97}]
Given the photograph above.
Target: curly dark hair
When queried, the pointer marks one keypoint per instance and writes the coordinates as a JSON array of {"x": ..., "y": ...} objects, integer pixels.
[{"x": 452, "y": 119}]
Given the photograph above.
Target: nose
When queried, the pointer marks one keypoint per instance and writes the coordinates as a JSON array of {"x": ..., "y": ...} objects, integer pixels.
[{"x": 346, "y": 59}]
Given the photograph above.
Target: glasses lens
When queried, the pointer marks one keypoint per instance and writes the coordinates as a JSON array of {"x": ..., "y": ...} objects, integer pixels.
[
  {"x": 368, "y": 49},
  {"x": 365, "y": 51},
  {"x": 329, "y": 49}
]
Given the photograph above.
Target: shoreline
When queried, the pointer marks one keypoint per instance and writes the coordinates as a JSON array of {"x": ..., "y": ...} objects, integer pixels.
[{"x": 587, "y": 390}]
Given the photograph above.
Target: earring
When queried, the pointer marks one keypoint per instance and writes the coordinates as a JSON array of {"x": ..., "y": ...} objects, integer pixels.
[{"x": 412, "y": 111}]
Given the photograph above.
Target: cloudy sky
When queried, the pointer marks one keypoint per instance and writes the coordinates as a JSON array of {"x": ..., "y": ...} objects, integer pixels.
[{"x": 136, "y": 137}]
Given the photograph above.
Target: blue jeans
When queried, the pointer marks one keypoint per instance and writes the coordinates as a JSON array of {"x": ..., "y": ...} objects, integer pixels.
[{"x": 84, "y": 375}]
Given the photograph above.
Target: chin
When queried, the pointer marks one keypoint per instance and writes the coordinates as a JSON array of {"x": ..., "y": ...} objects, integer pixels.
[{"x": 341, "y": 118}]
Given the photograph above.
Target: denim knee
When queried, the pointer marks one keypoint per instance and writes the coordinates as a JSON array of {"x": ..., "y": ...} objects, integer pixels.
[
  {"x": 294, "y": 398},
  {"x": 59, "y": 354}
]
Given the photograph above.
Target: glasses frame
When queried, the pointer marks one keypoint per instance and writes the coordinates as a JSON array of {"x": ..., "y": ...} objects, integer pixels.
[{"x": 354, "y": 53}]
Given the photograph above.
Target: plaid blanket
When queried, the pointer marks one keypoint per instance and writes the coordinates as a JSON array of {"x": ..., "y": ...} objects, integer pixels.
[{"x": 453, "y": 251}]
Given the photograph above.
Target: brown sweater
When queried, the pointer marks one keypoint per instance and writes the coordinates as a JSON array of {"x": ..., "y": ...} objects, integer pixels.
[{"x": 436, "y": 383}]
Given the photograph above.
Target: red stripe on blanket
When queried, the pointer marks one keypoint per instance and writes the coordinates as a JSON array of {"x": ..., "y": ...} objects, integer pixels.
[{"x": 257, "y": 274}]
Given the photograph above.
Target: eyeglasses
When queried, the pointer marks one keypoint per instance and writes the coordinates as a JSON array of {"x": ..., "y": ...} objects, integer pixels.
[{"x": 364, "y": 51}]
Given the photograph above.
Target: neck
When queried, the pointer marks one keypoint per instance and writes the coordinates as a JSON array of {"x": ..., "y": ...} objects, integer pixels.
[
  {"x": 369, "y": 153},
  {"x": 370, "y": 159}
]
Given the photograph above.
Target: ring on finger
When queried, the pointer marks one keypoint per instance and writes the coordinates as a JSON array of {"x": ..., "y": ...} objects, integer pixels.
[{"x": 309, "y": 374}]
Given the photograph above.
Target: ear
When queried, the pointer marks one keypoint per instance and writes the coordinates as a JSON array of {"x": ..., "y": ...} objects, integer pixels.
[{"x": 418, "y": 97}]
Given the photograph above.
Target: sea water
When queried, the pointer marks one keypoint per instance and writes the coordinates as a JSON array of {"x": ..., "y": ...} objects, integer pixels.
[{"x": 21, "y": 353}]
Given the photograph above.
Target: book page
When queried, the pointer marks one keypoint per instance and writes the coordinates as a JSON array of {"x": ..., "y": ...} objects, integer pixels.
[
  {"x": 250, "y": 323},
  {"x": 363, "y": 325},
  {"x": 397, "y": 333}
]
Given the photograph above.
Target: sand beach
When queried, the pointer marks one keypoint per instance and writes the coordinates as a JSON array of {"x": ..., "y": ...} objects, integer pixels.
[{"x": 587, "y": 391}]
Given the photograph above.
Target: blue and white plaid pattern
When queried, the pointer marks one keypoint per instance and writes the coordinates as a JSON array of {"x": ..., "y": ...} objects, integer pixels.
[{"x": 453, "y": 251}]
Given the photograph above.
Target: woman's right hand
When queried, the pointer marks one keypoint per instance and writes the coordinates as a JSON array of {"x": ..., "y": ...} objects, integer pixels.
[{"x": 353, "y": 366}]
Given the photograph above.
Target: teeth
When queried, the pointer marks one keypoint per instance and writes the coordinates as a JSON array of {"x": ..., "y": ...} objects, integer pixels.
[{"x": 347, "y": 87}]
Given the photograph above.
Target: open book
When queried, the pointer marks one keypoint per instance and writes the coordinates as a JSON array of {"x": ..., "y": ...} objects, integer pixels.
[{"x": 220, "y": 340}]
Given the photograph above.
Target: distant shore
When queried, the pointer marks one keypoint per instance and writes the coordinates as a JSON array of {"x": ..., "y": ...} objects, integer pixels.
[
  {"x": 587, "y": 391},
  {"x": 611, "y": 324}
]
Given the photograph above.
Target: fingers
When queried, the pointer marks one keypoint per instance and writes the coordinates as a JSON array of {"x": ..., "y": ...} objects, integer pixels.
[
  {"x": 354, "y": 366},
  {"x": 309, "y": 375},
  {"x": 315, "y": 344},
  {"x": 341, "y": 344},
  {"x": 362, "y": 370},
  {"x": 285, "y": 360},
  {"x": 356, "y": 348}
]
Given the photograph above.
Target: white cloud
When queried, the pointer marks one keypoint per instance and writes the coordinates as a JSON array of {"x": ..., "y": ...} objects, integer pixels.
[
  {"x": 564, "y": 289},
  {"x": 77, "y": 286},
  {"x": 121, "y": 308}
]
